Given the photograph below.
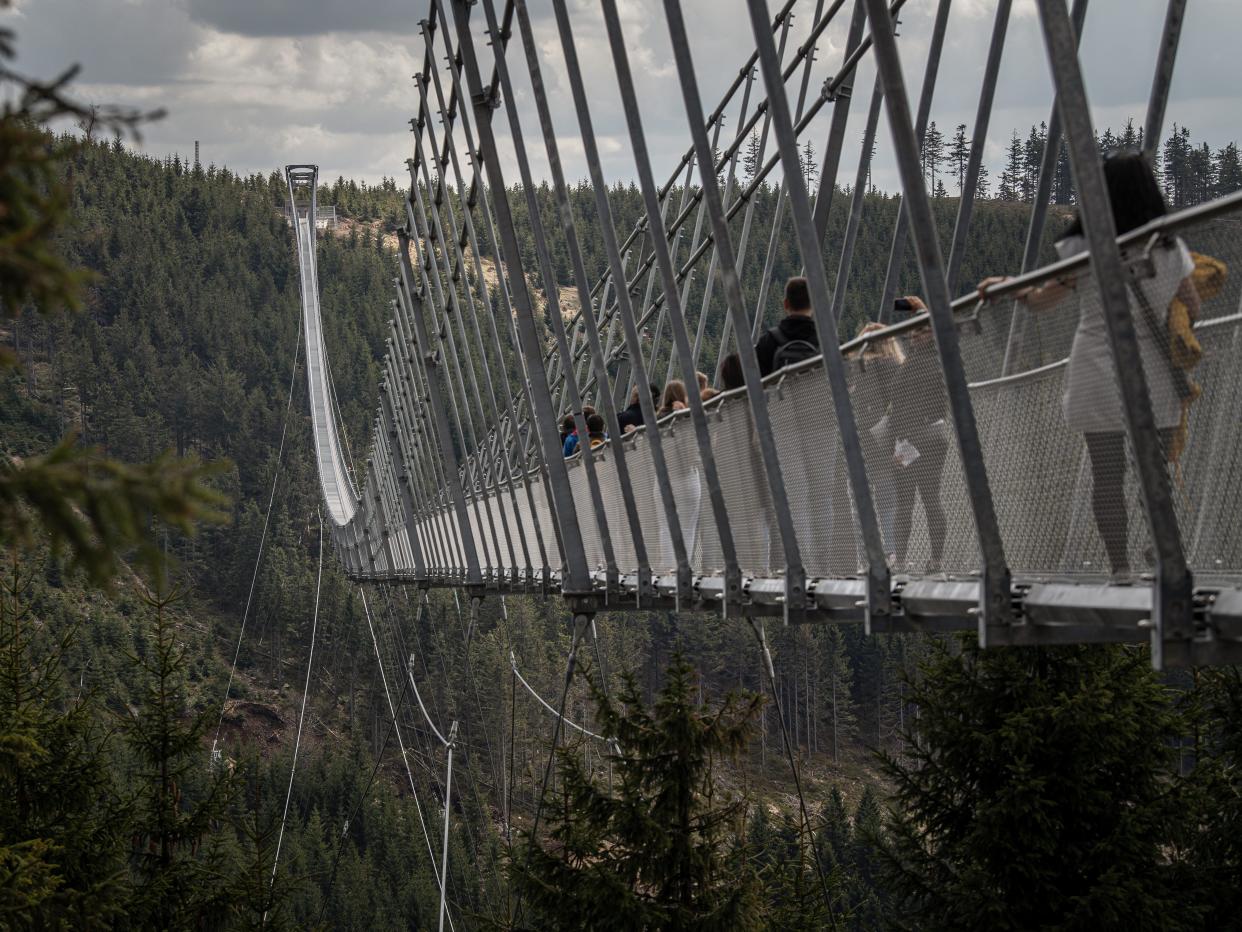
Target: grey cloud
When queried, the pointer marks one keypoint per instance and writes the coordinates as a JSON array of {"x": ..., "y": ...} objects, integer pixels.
[
  {"x": 262, "y": 82},
  {"x": 131, "y": 43},
  {"x": 305, "y": 17}
]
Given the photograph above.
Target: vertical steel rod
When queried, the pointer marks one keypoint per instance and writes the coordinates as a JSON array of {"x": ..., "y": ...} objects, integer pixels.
[
  {"x": 979, "y": 134},
  {"x": 897, "y": 253},
  {"x": 995, "y": 589},
  {"x": 879, "y": 593},
  {"x": 677, "y": 321},
  {"x": 577, "y": 581},
  {"x": 1162, "y": 80},
  {"x": 615, "y": 437},
  {"x": 1171, "y": 608}
]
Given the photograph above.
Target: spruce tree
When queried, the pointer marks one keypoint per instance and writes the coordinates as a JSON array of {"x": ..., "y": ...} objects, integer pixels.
[
  {"x": 1011, "y": 178},
  {"x": 661, "y": 850},
  {"x": 180, "y": 876},
  {"x": 1228, "y": 170},
  {"x": 1211, "y": 838},
  {"x": 750, "y": 160},
  {"x": 838, "y": 703},
  {"x": 1036, "y": 793},
  {"x": 61, "y": 819},
  {"x": 959, "y": 156}
]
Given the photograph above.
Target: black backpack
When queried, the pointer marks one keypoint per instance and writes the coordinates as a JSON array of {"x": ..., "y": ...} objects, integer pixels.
[{"x": 790, "y": 351}]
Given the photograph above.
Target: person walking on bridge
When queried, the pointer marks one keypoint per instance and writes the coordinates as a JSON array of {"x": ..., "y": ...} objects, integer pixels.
[
  {"x": 918, "y": 432},
  {"x": 1092, "y": 401},
  {"x": 795, "y": 337}
]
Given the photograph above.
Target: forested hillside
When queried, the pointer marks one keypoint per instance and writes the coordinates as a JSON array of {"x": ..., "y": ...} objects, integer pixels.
[{"x": 187, "y": 341}]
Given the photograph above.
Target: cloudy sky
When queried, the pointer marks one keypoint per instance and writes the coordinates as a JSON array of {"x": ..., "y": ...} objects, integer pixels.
[{"x": 261, "y": 83}]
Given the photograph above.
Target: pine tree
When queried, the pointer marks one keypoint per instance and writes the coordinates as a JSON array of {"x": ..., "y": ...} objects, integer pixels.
[
  {"x": 1032, "y": 158},
  {"x": 180, "y": 879},
  {"x": 1228, "y": 170},
  {"x": 1201, "y": 169},
  {"x": 655, "y": 853},
  {"x": 61, "y": 818},
  {"x": 810, "y": 168},
  {"x": 1212, "y": 826},
  {"x": 959, "y": 156},
  {"x": 1011, "y": 178},
  {"x": 1063, "y": 180},
  {"x": 750, "y": 160},
  {"x": 1177, "y": 167},
  {"x": 983, "y": 183},
  {"x": 1066, "y": 820},
  {"x": 837, "y": 675},
  {"x": 933, "y": 154}
]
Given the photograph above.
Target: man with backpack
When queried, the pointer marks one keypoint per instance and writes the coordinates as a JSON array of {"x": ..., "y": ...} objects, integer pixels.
[{"x": 795, "y": 337}]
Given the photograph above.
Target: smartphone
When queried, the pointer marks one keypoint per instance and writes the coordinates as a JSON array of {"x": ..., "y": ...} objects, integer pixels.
[{"x": 902, "y": 304}]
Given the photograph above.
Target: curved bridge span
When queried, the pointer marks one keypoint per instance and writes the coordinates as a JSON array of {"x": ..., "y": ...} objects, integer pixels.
[{"x": 960, "y": 468}]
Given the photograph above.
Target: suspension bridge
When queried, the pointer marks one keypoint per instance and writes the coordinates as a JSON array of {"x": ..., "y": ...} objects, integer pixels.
[{"x": 791, "y": 495}]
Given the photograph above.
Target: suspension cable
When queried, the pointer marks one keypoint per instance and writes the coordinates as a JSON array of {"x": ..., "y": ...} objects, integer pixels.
[
  {"x": 422, "y": 821},
  {"x": 543, "y": 702},
  {"x": 297, "y": 741},
  {"x": 556, "y": 736},
  {"x": 254, "y": 578}
]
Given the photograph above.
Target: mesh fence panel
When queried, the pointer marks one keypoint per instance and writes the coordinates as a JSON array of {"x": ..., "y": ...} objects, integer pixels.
[
  {"x": 588, "y": 523},
  {"x": 744, "y": 487},
  {"x": 1046, "y": 401},
  {"x": 813, "y": 468},
  {"x": 650, "y": 504},
  {"x": 1051, "y": 421},
  {"x": 614, "y": 510}
]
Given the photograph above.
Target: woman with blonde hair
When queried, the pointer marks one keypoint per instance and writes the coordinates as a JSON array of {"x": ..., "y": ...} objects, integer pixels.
[
  {"x": 675, "y": 398},
  {"x": 871, "y": 387}
]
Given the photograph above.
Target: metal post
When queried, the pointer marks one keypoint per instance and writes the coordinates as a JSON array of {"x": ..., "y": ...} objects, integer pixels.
[
  {"x": 479, "y": 194},
  {"x": 633, "y": 341},
  {"x": 1153, "y": 126},
  {"x": 428, "y": 465},
  {"x": 460, "y": 238},
  {"x": 558, "y": 326},
  {"x": 879, "y": 594},
  {"x": 431, "y": 362},
  {"x": 795, "y": 573},
  {"x": 432, "y": 470},
  {"x": 897, "y": 253},
  {"x": 590, "y": 325},
  {"x": 857, "y": 196},
  {"x": 451, "y": 310},
  {"x": 448, "y": 797},
  {"x": 1039, "y": 207},
  {"x": 403, "y": 479},
  {"x": 577, "y": 582},
  {"x": 979, "y": 133},
  {"x": 782, "y": 194},
  {"x": 726, "y": 330},
  {"x": 994, "y": 600},
  {"x": 1171, "y": 600},
  {"x": 843, "y": 95},
  {"x": 677, "y": 321}
]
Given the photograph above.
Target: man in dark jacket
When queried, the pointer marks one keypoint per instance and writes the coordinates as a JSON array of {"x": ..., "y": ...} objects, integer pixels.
[
  {"x": 795, "y": 337},
  {"x": 632, "y": 417}
]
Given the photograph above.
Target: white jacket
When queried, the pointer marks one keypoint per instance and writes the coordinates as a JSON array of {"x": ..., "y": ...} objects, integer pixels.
[{"x": 1092, "y": 401}]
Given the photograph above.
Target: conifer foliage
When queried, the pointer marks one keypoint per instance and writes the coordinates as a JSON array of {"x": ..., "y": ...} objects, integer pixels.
[
  {"x": 1038, "y": 793},
  {"x": 658, "y": 852}
]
